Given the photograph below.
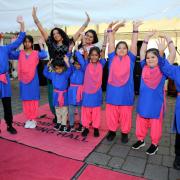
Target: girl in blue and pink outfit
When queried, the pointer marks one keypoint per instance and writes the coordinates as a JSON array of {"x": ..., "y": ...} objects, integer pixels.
[
  {"x": 120, "y": 86},
  {"x": 151, "y": 102},
  {"x": 28, "y": 60},
  {"x": 5, "y": 87},
  {"x": 92, "y": 92}
]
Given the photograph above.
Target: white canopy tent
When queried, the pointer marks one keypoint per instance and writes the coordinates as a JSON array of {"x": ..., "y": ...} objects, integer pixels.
[{"x": 71, "y": 12}]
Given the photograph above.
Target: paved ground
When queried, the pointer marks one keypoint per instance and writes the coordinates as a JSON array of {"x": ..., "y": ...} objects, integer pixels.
[{"x": 119, "y": 157}]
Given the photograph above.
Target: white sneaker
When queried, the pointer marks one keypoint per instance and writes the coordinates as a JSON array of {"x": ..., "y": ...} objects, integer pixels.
[
  {"x": 27, "y": 124},
  {"x": 33, "y": 124}
]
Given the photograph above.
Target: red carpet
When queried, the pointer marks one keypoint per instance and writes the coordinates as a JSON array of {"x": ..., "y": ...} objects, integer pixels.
[
  {"x": 71, "y": 145},
  {"x": 97, "y": 173},
  {"x": 18, "y": 162}
]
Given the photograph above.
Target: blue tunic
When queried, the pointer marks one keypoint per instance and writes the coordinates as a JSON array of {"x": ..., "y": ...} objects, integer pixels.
[
  {"x": 90, "y": 100},
  {"x": 173, "y": 72},
  {"x": 30, "y": 91},
  {"x": 123, "y": 95},
  {"x": 150, "y": 100},
  {"x": 5, "y": 89},
  {"x": 77, "y": 78},
  {"x": 60, "y": 82}
]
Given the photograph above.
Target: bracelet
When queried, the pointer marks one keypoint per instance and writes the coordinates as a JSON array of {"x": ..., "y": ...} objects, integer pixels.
[
  {"x": 104, "y": 45},
  {"x": 109, "y": 30},
  {"x": 145, "y": 42},
  {"x": 170, "y": 42},
  {"x": 135, "y": 31}
]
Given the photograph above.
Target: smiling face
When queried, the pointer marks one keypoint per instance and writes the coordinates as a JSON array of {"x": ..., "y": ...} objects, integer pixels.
[
  {"x": 151, "y": 59},
  {"x": 94, "y": 56},
  {"x": 57, "y": 37},
  {"x": 89, "y": 38},
  {"x": 121, "y": 49}
]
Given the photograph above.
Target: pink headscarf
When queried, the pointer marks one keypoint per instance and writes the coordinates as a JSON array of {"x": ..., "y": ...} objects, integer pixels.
[
  {"x": 93, "y": 78},
  {"x": 119, "y": 71},
  {"x": 151, "y": 76},
  {"x": 27, "y": 66}
]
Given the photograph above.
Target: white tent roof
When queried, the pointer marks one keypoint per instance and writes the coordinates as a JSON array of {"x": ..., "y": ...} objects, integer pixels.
[{"x": 71, "y": 12}]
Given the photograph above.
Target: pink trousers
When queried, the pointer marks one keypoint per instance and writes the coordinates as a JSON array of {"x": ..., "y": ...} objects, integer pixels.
[
  {"x": 91, "y": 114},
  {"x": 119, "y": 115},
  {"x": 142, "y": 126},
  {"x": 30, "y": 108}
]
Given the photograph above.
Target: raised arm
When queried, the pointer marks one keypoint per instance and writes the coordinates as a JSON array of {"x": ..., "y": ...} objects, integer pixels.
[
  {"x": 38, "y": 24},
  {"x": 42, "y": 53},
  {"x": 133, "y": 47},
  {"x": 82, "y": 28},
  {"x": 14, "y": 55},
  {"x": 20, "y": 38},
  {"x": 46, "y": 72},
  {"x": 172, "y": 49},
  {"x": 145, "y": 43},
  {"x": 81, "y": 60},
  {"x": 111, "y": 34}
]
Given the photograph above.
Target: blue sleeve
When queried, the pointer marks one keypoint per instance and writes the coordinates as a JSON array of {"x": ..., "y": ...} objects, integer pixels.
[
  {"x": 81, "y": 60},
  {"x": 17, "y": 42},
  {"x": 69, "y": 71},
  {"x": 14, "y": 55},
  {"x": 69, "y": 54},
  {"x": 168, "y": 69},
  {"x": 42, "y": 54},
  {"x": 143, "y": 63},
  {"x": 102, "y": 61},
  {"x": 46, "y": 73},
  {"x": 132, "y": 56}
]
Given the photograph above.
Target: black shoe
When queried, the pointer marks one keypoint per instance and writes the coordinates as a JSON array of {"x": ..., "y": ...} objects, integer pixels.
[
  {"x": 70, "y": 129},
  {"x": 96, "y": 132},
  {"x": 55, "y": 120},
  {"x": 80, "y": 128},
  {"x": 63, "y": 128},
  {"x": 11, "y": 130},
  {"x": 111, "y": 135},
  {"x": 138, "y": 145},
  {"x": 176, "y": 163},
  {"x": 124, "y": 138},
  {"x": 57, "y": 126},
  {"x": 85, "y": 132},
  {"x": 152, "y": 149}
]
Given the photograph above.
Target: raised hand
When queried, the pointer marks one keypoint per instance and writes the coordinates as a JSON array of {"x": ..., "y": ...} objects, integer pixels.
[
  {"x": 151, "y": 34},
  {"x": 88, "y": 18},
  {"x": 49, "y": 62},
  {"x": 41, "y": 41},
  {"x": 34, "y": 11},
  {"x": 161, "y": 43},
  {"x": 20, "y": 20},
  {"x": 136, "y": 24}
]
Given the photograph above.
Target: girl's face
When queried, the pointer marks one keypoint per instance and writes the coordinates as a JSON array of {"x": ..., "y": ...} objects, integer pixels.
[
  {"x": 89, "y": 38},
  {"x": 94, "y": 57},
  {"x": 59, "y": 69},
  {"x": 27, "y": 44},
  {"x": 57, "y": 37},
  {"x": 121, "y": 50},
  {"x": 151, "y": 59}
]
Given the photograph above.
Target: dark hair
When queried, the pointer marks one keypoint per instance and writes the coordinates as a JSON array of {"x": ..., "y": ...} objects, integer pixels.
[
  {"x": 63, "y": 34},
  {"x": 95, "y": 48},
  {"x": 58, "y": 63},
  {"x": 153, "y": 51},
  {"x": 30, "y": 38},
  {"x": 95, "y": 37},
  {"x": 121, "y": 42}
]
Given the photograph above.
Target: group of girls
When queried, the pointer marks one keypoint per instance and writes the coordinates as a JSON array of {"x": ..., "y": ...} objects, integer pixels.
[{"x": 84, "y": 69}]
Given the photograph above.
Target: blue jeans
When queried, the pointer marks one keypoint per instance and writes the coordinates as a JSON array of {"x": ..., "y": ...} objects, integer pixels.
[{"x": 72, "y": 109}]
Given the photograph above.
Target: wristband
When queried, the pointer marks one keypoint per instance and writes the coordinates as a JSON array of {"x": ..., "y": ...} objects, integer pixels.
[{"x": 145, "y": 42}]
